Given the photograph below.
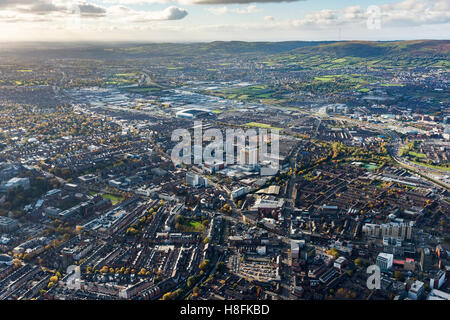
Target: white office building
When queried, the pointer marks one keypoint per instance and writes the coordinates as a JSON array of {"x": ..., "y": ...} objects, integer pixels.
[
  {"x": 195, "y": 180},
  {"x": 15, "y": 183},
  {"x": 385, "y": 261},
  {"x": 416, "y": 290}
]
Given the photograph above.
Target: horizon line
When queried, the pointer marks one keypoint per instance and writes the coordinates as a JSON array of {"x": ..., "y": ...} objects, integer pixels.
[{"x": 206, "y": 41}]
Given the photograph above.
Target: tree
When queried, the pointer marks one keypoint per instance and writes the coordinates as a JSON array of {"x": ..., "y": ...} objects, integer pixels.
[
  {"x": 204, "y": 265},
  {"x": 168, "y": 296},
  {"x": 172, "y": 295},
  {"x": 398, "y": 275},
  {"x": 191, "y": 281},
  {"x": 226, "y": 209},
  {"x": 131, "y": 231},
  {"x": 333, "y": 252},
  {"x": 179, "y": 219},
  {"x": 220, "y": 266},
  {"x": 142, "y": 272}
]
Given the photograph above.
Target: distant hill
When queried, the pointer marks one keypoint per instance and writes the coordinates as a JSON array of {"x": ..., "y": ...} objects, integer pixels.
[
  {"x": 233, "y": 47},
  {"x": 408, "y": 51},
  {"x": 374, "y": 49},
  {"x": 329, "y": 48}
]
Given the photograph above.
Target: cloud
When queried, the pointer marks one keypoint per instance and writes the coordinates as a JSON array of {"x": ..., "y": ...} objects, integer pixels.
[
  {"x": 250, "y": 9},
  {"x": 404, "y": 13},
  {"x": 218, "y": 11},
  {"x": 415, "y": 12},
  {"x": 88, "y": 9},
  {"x": 59, "y": 10},
  {"x": 233, "y": 1},
  {"x": 400, "y": 17},
  {"x": 42, "y": 7},
  {"x": 198, "y": 2},
  {"x": 170, "y": 13},
  {"x": 122, "y": 14}
]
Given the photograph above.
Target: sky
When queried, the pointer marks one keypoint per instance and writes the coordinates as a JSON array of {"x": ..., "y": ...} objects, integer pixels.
[{"x": 211, "y": 20}]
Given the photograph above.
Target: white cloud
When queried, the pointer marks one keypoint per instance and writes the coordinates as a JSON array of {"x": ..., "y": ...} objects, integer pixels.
[
  {"x": 232, "y": 1},
  {"x": 170, "y": 13},
  {"x": 408, "y": 12},
  {"x": 250, "y": 9},
  {"x": 420, "y": 15},
  {"x": 197, "y": 2},
  {"x": 59, "y": 10},
  {"x": 44, "y": 7},
  {"x": 402, "y": 19},
  {"x": 218, "y": 11},
  {"x": 415, "y": 12}
]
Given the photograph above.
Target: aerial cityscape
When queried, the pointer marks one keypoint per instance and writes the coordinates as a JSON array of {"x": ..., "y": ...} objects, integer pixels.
[{"x": 316, "y": 169}]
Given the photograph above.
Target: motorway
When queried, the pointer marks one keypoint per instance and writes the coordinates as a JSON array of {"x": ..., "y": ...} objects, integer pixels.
[{"x": 435, "y": 176}]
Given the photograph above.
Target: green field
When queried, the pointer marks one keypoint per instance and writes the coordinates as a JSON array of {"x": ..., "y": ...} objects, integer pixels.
[
  {"x": 114, "y": 199},
  {"x": 196, "y": 225},
  {"x": 262, "y": 126},
  {"x": 250, "y": 93},
  {"x": 324, "y": 79},
  {"x": 370, "y": 167},
  {"x": 391, "y": 85},
  {"x": 432, "y": 166},
  {"x": 417, "y": 155},
  {"x": 190, "y": 225}
]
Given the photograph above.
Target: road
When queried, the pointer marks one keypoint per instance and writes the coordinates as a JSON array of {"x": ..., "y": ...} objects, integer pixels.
[{"x": 433, "y": 175}]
